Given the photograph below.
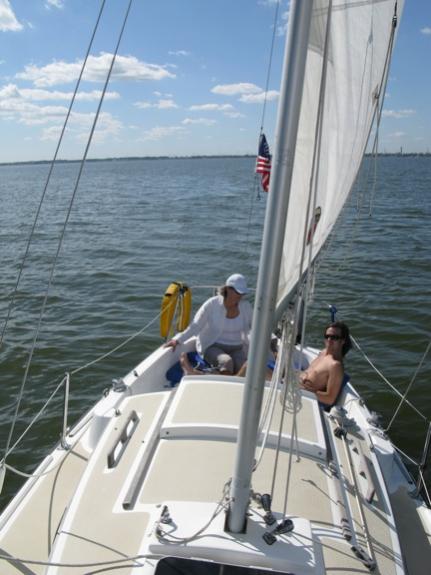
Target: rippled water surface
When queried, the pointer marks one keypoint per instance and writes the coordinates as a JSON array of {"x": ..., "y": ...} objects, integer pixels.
[{"x": 135, "y": 226}]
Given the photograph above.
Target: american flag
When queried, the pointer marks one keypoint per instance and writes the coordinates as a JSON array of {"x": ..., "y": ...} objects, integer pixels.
[{"x": 263, "y": 162}]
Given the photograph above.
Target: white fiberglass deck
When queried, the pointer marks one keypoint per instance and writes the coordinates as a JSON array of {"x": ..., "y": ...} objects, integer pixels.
[{"x": 177, "y": 448}]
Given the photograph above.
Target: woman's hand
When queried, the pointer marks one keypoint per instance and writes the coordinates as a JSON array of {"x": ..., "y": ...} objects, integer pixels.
[{"x": 172, "y": 343}]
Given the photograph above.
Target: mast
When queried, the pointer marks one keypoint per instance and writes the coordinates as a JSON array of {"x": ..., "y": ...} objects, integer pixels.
[{"x": 270, "y": 258}]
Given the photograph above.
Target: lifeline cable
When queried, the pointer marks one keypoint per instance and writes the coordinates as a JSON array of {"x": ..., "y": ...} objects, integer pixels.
[
  {"x": 394, "y": 389},
  {"x": 33, "y": 346},
  {"x": 48, "y": 179},
  {"x": 409, "y": 386}
]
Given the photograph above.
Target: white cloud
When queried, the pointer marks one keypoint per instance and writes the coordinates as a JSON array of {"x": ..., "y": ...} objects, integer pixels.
[
  {"x": 212, "y": 107},
  {"x": 8, "y": 20},
  {"x": 18, "y": 105},
  {"x": 161, "y": 132},
  {"x": 259, "y": 98},
  {"x": 235, "y": 89},
  {"x": 398, "y": 113},
  {"x": 54, "y": 4},
  {"x": 179, "y": 53},
  {"x": 234, "y": 115},
  {"x": 80, "y": 124},
  {"x": 395, "y": 135},
  {"x": 125, "y": 68},
  {"x": 162, "y": 104},
  {"x": 203, "y": 121},
  {"x": 426, "y": 31},
  {"x": 36, "y": 94},
  {"x": 161, "y": 95},
  {"x": 13, "y": 106}
]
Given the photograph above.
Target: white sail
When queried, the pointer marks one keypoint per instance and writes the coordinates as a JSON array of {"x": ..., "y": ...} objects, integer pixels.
[{"x": 358, "y": 38}]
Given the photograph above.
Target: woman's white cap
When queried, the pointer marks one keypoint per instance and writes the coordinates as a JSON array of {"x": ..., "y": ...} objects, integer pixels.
[{"x": 238, "y": 283}]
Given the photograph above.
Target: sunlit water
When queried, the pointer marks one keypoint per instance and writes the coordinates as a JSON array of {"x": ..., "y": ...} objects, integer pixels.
[{"x": 137, "y": 225}]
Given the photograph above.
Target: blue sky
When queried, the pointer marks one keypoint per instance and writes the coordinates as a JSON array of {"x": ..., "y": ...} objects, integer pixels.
[{"x": 190, "y": 77}]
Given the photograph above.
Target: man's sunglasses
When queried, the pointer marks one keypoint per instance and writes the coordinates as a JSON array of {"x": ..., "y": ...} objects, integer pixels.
[{"x": 332, "y": 337}]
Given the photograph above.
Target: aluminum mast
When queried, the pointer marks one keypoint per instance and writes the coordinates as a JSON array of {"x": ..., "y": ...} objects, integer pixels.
[{"x": 270, "y": 258}]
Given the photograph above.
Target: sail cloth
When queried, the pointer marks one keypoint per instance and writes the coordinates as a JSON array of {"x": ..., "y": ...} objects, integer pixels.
[{"x": 357, "y": 41}]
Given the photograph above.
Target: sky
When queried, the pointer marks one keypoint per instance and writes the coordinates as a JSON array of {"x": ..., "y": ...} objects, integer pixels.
[{"x": 190, "y": 78}]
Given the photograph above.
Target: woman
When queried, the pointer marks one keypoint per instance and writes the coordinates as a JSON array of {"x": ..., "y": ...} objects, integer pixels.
[{"x": 222, "y": 326}]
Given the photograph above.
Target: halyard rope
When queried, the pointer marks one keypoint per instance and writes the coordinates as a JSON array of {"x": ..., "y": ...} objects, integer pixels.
[
  {"x": 48, "y": 179},
  {"x": 60, "y": 242},
  {"x": 256, "y": 184}
]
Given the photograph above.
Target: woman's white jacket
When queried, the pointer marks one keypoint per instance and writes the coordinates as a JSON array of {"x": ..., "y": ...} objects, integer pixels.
[{"x": 208, "y": 323}]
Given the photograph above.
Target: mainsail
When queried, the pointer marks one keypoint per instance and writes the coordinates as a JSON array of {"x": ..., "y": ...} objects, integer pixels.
[{"x": 347, "y": 63}]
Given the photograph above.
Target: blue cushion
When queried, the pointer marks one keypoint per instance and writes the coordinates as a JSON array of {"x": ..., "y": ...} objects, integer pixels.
[{"x": 175, "y": 373}]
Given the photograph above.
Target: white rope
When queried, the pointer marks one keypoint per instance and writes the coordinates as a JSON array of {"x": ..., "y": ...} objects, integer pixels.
[
  {"x": 269, "y": 410},
  {"x": 48, "y": 179},
  {"x": 60, "y": 242},
  {"x": 394, "y": 389},
  {"x": 287, "y": 384},
  {"x": 169, "y": 538},
  {"x": 126, "y": 341},
  {"x": 42, "y": 473},
  {"x": 33, "y": 421},
  {"x": 12, "y": 559},
  {"x": 403, "y": 399}
]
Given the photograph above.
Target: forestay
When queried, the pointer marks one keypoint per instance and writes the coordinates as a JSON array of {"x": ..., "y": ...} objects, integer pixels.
[{"x": 347, "y": 61}]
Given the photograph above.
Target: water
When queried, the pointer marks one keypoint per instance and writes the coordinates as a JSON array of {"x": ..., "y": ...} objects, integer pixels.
[{"x": 137, "y": 225}]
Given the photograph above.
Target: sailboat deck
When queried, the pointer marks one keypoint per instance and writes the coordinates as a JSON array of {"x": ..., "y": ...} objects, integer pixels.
[{"x": 151, "y": 454}]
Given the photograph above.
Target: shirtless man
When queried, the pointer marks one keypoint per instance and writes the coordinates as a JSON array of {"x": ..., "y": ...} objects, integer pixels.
[{"x": 325, "y": 375}]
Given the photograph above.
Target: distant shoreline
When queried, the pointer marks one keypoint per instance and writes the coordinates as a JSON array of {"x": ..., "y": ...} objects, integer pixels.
[{"x": 135, "y": 158}]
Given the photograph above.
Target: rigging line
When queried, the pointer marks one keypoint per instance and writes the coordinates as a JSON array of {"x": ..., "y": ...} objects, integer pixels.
[
  {"x": 35, "y": 475},
  {"x": 409, "y": 386},
  {"x": 268, "y": 76},
  {"x": 268, "y": 414},
  {"x": 312, "y": 195},
  {"x": 255, "y": 194},
  {"x": 77, "y": 370},
  {"x": 48, "y": 179},
  {"x": 424, "y": 486},
  {"x": 394, "y": 389},
  {"x": 219, "y": 507},
  {"x": 290, "y": 345},
  {"x": 18, "y": 560},
  {"x": 126, "y": 341},
  {"x": 407, "y": 457},
  {"x": 36, "y": 417},
  {"x": 27, "y": 368},
  {"x": 381, "y": 97}
]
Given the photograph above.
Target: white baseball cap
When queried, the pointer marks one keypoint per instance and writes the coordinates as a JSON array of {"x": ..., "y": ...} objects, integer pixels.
[{"x": 238, "y": 283}]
